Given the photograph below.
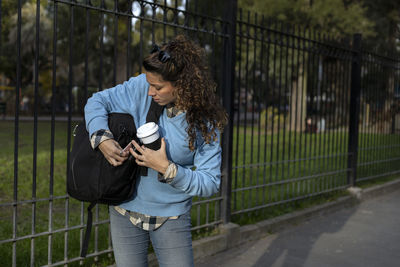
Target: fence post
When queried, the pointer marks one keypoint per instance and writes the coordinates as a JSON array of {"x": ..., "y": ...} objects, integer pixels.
[
  {"x": 354, "y": 110},
  {"x": 228, "y": 73}
]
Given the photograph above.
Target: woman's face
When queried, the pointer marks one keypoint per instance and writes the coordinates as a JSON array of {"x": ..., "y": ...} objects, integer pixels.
[{"x": 161, "y": 91}]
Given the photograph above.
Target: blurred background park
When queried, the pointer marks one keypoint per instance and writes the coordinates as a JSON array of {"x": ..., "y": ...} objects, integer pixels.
[{"x": 312, "y": 89}]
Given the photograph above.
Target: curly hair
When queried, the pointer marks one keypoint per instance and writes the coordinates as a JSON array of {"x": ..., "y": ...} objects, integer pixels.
[{"x": 187, "y": 70}]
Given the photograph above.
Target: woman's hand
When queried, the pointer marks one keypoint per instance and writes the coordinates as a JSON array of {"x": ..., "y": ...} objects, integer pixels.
[
  {"x": 113, "y": 152},
  {"x": 155, "y": 159}
]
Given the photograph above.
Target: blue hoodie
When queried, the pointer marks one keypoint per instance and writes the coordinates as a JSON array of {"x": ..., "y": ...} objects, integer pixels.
[{"x": 151, "y": 196}]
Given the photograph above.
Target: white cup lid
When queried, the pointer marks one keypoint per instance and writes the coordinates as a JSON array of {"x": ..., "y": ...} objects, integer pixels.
[{"x": 146, "y": 130}]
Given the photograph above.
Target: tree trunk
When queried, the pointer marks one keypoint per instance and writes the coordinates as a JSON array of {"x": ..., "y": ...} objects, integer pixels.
[
  {"x": 121, "y": 67},
  {"x": 298, "y": 101}
]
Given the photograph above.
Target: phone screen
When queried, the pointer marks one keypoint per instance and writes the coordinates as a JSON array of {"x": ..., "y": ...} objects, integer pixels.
[{"x": 126, "y": 149}]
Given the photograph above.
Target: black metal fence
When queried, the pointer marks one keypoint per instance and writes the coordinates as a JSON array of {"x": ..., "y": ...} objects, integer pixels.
[
  {"x": 379, "y": 117},
  {"x": 308, "y": 114},
  {"x": 291, "y": 118}
]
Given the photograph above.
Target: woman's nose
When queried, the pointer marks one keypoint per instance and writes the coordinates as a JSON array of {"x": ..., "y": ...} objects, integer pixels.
[{"x": 152, "y": 91}]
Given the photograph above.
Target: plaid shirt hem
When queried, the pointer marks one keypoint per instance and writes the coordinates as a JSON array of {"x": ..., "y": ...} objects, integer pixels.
[{"x": 145, "y": 222}]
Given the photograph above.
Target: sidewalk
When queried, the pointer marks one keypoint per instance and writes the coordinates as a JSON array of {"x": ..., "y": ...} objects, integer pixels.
[{"x": 364, "y": 235}]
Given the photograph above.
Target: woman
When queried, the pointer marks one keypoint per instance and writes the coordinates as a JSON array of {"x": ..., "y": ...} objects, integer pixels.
[{"x": 187, "y": 164}]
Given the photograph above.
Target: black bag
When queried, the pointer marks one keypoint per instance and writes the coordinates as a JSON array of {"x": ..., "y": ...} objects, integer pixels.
[{"x": 92, "y": 178}]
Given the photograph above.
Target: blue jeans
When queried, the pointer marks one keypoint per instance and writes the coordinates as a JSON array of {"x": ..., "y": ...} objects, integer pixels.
[{"x": 172, "y": 242}]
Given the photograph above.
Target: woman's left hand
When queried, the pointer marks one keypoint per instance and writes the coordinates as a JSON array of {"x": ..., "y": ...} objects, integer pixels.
[{"x": 155, "y": 159}]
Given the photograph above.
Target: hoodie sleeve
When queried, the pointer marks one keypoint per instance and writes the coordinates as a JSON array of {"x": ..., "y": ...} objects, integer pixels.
[
  {"x": 204, "y": 181},
  {"x": 127, "y": 97}
]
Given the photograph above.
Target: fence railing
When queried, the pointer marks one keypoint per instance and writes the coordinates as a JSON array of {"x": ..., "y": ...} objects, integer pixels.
[
  {"x": 309, "y": 114},
  {"x": 289, "y": 139},
  {"x": 379, "y": 117}
]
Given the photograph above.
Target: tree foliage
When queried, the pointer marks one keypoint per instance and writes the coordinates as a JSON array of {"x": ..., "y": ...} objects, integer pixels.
[
  {"x": 102, "y": 40},
  {"x": 386, "y": 16},
  {"x": 334, "y": 16}
]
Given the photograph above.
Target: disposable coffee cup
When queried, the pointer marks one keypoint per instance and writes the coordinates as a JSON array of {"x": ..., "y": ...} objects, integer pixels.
[{"x": 149, "y": 136}]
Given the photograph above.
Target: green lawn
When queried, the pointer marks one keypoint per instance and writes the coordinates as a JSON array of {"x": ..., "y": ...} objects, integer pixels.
[
  {"x": 288, "y": 165},
  {"x": 288, "y": 171},
  {"x": 44, "y": 177}
]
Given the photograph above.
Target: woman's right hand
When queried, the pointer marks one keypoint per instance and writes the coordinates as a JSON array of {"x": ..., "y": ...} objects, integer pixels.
[{"x": 113, "y": 153}]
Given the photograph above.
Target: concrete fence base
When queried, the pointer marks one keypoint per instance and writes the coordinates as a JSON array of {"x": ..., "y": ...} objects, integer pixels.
[{"x": 232, "y": 235}]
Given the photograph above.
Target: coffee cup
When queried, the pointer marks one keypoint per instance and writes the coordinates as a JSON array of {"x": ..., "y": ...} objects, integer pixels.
[{"x": 149, "y": 136}]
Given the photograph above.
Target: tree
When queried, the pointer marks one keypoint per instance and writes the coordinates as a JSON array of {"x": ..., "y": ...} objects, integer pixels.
[
  {"x": 386, "y": 17},
  {"x": 8, "y": 62},
  {"x": 335, "y": 19},
  {"x": 384, "y": 106}
]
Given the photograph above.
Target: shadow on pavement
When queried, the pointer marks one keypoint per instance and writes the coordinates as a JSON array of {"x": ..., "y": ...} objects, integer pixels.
[
  {"x": 365, "y": 235},
  {"x": 291, "y": 247},
  {"x": 288, "y": 248}
]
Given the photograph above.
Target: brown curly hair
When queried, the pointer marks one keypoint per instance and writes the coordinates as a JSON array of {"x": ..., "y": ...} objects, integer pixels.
[{"x": 187, "y": 70}]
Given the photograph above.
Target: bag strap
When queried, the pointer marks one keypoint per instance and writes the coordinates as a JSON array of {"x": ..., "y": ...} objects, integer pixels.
[
  {"x": 85, "y": 244},
  {"x": 154, "y": 113}
]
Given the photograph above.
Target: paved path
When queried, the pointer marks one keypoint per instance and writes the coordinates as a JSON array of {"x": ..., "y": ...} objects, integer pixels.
[{"x": 366, "y": 235}]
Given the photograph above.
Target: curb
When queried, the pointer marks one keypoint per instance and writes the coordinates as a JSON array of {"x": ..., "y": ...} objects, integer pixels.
[
  {"x": 232, "y": 235},
  {"x": 378, "y": 190}
]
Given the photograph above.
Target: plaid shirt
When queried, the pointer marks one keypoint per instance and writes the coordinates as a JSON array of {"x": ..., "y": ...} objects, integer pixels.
[
  {"x": 146, "y": 222},
  {"x": 143, "y": 221}
]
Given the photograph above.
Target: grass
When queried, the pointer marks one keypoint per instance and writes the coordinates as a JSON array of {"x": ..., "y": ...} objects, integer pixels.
[
  {"x": 280, "y": 166},
  {"x": 58, "y": 240},
  {"x": 279, "y": 171},
  {"x": 46, "y": 172}
]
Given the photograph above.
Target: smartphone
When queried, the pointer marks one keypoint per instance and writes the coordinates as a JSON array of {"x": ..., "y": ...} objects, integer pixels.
[{"x": 126, "y": 149}]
